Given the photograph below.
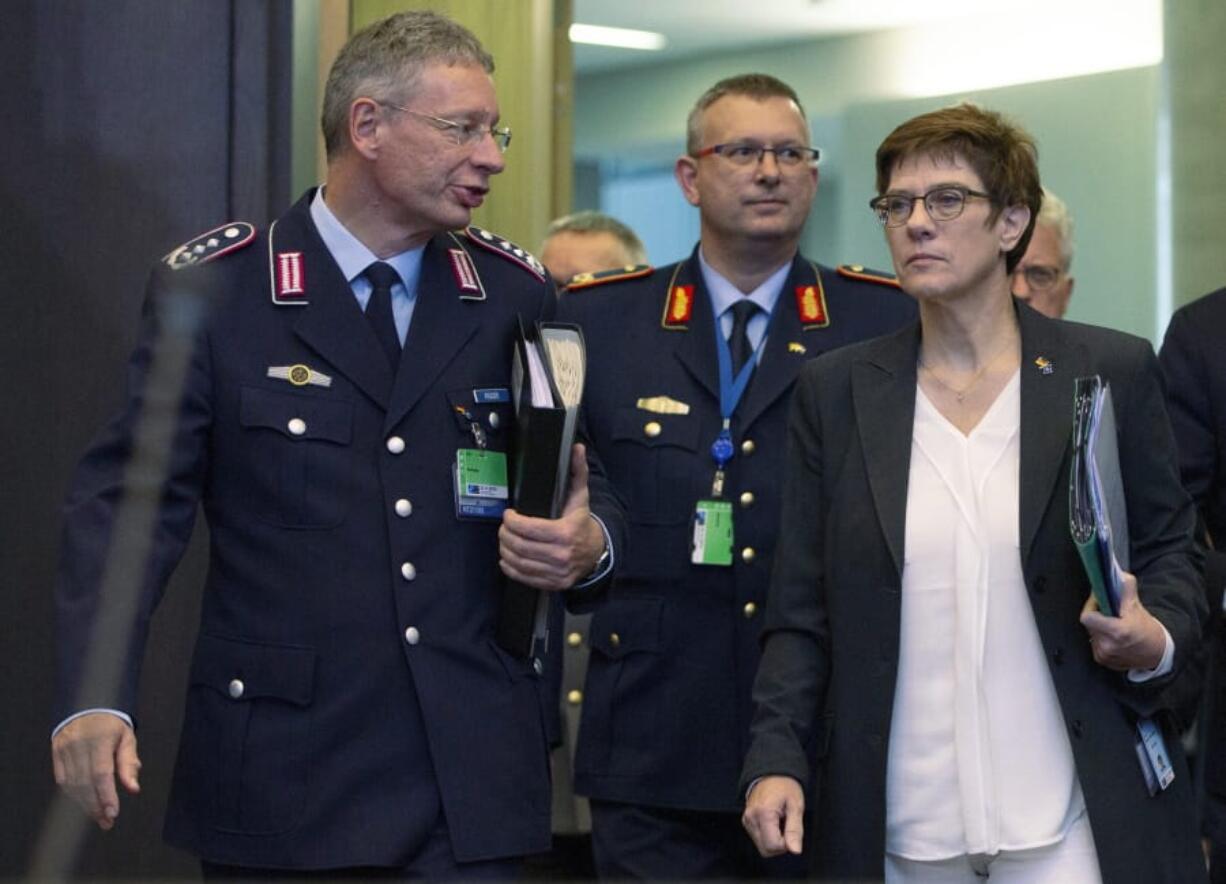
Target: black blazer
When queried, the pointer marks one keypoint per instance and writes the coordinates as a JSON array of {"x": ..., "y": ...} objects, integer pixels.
[{"x": 825, "y": 688}]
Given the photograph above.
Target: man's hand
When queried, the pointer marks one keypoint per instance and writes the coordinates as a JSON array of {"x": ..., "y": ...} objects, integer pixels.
[
  {"x": 88, "y": 754},
  {"x": 1133, "y": 640},
  {"x": 774, "y": 815},
  {"x": 553, "y": 554}
]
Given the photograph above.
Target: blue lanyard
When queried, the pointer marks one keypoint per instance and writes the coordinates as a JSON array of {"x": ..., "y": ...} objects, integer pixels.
[{"x": 731, "y": 390}]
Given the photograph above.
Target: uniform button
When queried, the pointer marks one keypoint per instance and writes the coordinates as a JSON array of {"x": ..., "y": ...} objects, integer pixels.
[
  {"x": 408, "y": 572},
  {"x": 574, "y": 639},
  {"x": 1057, "y": 656},
  {"x": 494, "y": 420},
  {"x": 574, "y": 698},
  {"x": 651, "y": 429},
  {"x": 395, "y": 444},
  {"x": 537, "y": 666},
  {"x": 748, "y": 447},
  {"x": 404, "y": 508},
  {"x": 748, "y": 555},
  {"x": 297, "y": 426},
  {"x": 412, "y": 636},
  {"x": 749, "y": 610},
  {"x": 1078, "y": 728},
  {"x": 614, "y": 639},
  {"x": 1040, "y": 584},
  {"x": 747, "y": 499},
  {"x": 237, "y": 688}
]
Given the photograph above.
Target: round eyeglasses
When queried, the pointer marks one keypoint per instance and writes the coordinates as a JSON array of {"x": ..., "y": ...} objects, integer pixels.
[
  {"x": 743, "y": 153},
  {"x": 942, "y": 204}
]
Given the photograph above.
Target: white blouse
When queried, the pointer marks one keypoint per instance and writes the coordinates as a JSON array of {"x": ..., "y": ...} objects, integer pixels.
[{"x": 979, "y": 759}]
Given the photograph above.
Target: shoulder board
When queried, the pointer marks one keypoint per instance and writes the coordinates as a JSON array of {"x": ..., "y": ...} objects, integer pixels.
[
  {"x": 208, "y": 246},
  {"x": 513, "y": 253},
  {"x": 586, "y": 280},
  {"x": 858, "y": 271}
]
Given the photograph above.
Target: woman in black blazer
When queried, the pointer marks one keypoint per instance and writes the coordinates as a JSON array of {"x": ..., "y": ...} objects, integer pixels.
[{"x": 936, "y": 678}]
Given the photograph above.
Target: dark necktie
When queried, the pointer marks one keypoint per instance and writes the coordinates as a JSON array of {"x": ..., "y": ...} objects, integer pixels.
[
  {"x": 738, "y": 341},
  {"x": 379, "y": 309}
]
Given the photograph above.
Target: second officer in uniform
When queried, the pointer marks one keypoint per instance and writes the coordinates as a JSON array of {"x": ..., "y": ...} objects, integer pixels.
[{"x": 691, "y": 367}]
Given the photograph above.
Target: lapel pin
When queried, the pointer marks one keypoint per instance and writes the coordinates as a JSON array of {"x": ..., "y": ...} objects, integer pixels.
[
  {"x": 1045, "y": 365},
  {"x": 794, "y": 347}
]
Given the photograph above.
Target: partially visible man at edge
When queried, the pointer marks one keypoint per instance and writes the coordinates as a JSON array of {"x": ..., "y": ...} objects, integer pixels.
[
  {"x": 348, "y": 708},
  {"x": 674, "y": 644}
]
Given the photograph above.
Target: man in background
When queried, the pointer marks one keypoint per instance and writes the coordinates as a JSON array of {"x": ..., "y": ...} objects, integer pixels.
[
  {"x": 1193, "y": 358},
  {"x": 586, "y": 242},
  {"x": 581, "y": 243},
  {"x": 1042, "y": 277},
  {"x": 690, "y": 372}
]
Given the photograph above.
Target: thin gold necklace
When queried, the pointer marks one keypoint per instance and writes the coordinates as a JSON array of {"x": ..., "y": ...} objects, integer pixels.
[{"x": 960, "y": 395}]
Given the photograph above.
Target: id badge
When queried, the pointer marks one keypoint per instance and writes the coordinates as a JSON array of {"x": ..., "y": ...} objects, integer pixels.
[
  {"x": 481, "y": 489},
  {"x": 1155, "y": 763},
  {"x": 711, "y": 542}
]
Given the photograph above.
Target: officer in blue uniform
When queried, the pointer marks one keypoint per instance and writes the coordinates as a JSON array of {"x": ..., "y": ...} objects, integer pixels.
[
  {"x": 690, "y": 371},
  {"x": 345, "y": 408}
]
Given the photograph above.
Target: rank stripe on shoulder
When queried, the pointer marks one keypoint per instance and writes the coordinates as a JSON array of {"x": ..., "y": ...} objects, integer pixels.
[
  {"x": 858, "y": 271},
  {"x": 582, "y": 281},
  {"x": 513, "y": 253},
  {"x": 210, "y": 245}
]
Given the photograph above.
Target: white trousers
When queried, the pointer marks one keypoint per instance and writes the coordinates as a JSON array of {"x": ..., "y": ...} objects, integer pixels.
[{"x": 1071, "y": 860}]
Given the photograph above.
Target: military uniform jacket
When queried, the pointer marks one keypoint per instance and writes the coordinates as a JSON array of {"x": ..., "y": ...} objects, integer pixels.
[
  {"x": 674, "y": 646},
  {"x": 345, "y": 683},
  {"x": 830, "y": 661}
]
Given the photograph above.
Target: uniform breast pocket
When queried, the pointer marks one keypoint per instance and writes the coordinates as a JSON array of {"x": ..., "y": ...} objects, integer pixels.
[
  {"x": 301, "y": 451},
  {"x": 654, "y": 462}
]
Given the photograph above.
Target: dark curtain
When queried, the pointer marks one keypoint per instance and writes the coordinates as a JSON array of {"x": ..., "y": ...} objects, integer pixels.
[{"x": 129, "y": 126}]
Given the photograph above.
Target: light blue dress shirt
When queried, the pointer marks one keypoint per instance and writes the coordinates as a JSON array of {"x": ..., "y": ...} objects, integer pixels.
[
  {"x": 353, "y": 258},
  {"x": 724, "y": 294}
]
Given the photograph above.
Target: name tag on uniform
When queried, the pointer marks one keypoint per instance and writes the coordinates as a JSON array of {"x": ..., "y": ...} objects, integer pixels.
[
  {"x": 711, "y": 542},
  {"x": 481, "y": 489}
]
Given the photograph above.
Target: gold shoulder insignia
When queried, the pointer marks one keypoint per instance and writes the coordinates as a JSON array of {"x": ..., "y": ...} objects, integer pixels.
[
  {"x": 494, "y": 243},
  {"x": 858, "y": 271},
  {"x": 587, "y": 280},
  {"x": 210, "y": 245}
]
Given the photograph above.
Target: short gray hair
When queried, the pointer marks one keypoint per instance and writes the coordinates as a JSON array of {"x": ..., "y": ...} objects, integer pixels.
[
  {"x": 1055, "y": 214},
  {"x": 598, "y": 222},
  {"x": 382, "y": 61},
  {"x": 756, "y": 86}
]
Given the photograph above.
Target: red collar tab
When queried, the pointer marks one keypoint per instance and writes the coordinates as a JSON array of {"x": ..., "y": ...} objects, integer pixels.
[
  {"x": 289, "y": 279},
  {"x": 210, "y": 245},
  {"x": 811, "y": 305},
  {"x": 679, "y": 307},
  {"x": 466, "y": 275}
]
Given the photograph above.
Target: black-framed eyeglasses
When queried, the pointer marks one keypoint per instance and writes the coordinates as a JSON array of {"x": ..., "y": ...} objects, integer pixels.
[
  {"x": 463, "y": 134},
  {"x": 943, "y": 203},
  {"x": 745, "y": 153},
  {"x": 1039, "y": 276}
]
